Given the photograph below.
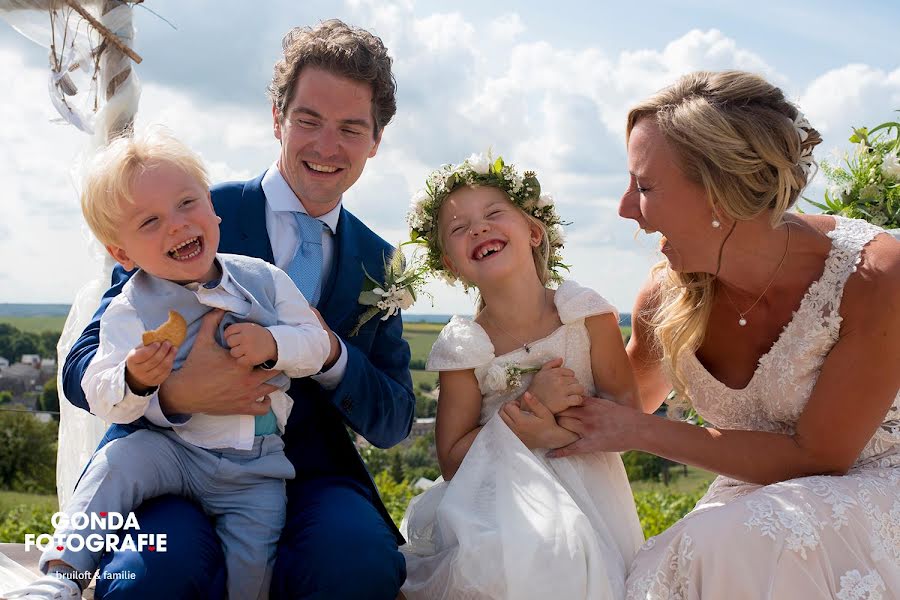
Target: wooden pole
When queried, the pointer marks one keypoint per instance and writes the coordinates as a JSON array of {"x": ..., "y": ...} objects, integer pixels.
[{"x": 115, "y": 68}]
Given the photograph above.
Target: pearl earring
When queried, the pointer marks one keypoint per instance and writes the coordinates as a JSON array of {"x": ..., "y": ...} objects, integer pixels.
[{"x": 716, "y": 224}]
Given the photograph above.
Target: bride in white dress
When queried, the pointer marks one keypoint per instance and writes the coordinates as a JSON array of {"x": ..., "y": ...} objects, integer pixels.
[
  {"x": 508, "y": 523},
  {"x": 783, "y": 332}
]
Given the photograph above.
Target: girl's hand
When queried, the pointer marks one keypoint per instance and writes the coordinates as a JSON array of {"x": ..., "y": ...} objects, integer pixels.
[
  {"x": 602, "y": 425},
  {"x": 556, "y": 387},
  {"x": 250, "y": 344},
  {"x": 536, "y": 428},
  {"x": 146, "y": 367}
]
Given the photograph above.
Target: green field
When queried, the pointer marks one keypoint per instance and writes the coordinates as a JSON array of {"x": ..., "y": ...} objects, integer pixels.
[
  {"x": 10, "y": 500},
  {"x": 35, "y": 324},
  {"x": 681, "y": 484}
]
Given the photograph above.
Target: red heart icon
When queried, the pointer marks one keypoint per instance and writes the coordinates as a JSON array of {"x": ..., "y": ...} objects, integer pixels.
[
  {"x": 103, "y": 514},
  {"x": 151, "y": 548},
  {"x": 59, "y": 547}
]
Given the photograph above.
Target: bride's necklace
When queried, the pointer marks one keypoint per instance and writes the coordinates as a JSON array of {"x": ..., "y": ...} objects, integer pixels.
[
  {"x": 742, "y": 321},
  {"x": 525, "y": 345}
]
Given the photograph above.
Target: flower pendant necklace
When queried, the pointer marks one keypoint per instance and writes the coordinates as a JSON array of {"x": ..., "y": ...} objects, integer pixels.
[
  {"x": 525, "y": 345},
  {"x": 742, "y": 321}
]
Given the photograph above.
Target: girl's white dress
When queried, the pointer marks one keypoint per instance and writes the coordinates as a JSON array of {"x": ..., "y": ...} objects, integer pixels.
[
  {"x": 511, "y": 523},
  {"x": 810, "y": 538}
]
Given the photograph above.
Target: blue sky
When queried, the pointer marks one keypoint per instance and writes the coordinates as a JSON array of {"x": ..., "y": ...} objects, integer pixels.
[{"x": 547, "y": 84}]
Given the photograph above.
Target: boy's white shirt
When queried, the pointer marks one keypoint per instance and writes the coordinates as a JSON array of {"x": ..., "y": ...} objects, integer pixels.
[{"x": 303, "y": 347}]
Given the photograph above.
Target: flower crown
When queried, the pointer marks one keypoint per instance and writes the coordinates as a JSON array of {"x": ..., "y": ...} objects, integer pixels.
[{"x": 482, "y": 170}]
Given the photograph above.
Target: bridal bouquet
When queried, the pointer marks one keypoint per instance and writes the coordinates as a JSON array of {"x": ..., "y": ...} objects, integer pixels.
[{"x": 867, "y": 185}]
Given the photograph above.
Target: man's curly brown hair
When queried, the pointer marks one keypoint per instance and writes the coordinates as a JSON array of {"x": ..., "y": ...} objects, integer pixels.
[{"x": 347, "y": 51}]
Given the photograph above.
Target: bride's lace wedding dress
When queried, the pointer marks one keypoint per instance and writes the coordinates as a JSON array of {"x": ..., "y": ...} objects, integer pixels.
[
  {"x": 512, "y": 524},
  {"x": 809, "y": 538}
]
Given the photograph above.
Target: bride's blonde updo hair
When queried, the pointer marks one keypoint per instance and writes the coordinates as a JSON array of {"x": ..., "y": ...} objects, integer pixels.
[{"x": 734, "y": 133}]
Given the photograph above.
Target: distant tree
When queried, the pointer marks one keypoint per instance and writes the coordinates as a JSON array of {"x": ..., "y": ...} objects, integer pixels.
[
  {"x": 6, "y": 397},
  {"x": 27, "y": 453},
  {"x": 49, "y": 400}
]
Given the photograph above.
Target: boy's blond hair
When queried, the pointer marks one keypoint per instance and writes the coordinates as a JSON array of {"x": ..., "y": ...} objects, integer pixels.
[{"x": 111, "y": 173}]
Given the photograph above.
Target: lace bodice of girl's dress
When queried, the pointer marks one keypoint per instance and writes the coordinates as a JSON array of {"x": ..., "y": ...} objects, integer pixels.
[
  {"x": 786, "y": 375},
  {"x": 464, "y": 344}
]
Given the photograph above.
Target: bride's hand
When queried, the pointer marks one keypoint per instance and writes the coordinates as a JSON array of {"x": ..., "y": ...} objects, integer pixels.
[
  {"x": 602, "y": 425},
  {"x": 535, "y": 425}
]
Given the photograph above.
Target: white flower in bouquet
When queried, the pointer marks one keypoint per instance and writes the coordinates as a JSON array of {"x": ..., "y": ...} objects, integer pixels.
[
  {"x": 495, "y": 378},
  {"x": 890, "y": 166},
  {"x": 479, "y": 163}
]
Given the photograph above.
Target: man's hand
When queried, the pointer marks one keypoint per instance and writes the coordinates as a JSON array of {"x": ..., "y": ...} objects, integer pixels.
[
  {"x": 146, "y": 367},
  {"x": 537, "y": 427},
  {"x": 335, "y": 352},
  {"x": 212, "y": 382},
  {"x": 251, "y": 344},
  {"x": 556, "y": 387}
]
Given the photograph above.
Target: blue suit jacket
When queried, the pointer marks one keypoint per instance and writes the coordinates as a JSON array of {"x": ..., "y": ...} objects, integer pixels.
[{"x": 375, "y": 397}]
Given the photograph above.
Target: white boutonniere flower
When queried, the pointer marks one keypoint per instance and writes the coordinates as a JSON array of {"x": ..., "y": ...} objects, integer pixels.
[{"x": 397, "y": 292}]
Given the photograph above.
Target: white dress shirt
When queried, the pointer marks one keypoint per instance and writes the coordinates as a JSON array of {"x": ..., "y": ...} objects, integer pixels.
[
  {"x": 302, "y": 347},
  {"x": 284, "y": 235}
]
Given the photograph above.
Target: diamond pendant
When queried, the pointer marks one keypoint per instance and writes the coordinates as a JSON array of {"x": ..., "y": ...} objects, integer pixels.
[{"x": 742, "y": 322}]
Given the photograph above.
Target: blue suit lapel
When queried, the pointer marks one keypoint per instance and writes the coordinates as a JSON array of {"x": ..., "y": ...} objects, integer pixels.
[{"x": 254, "y": 237}]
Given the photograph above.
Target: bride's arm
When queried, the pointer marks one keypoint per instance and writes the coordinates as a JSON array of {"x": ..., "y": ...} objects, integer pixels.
[
  {"x": 458, "y": 414},
  {"x": 857, "y": 385}
]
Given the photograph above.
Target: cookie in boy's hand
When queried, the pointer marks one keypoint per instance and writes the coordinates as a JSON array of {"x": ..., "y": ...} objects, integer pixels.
[{"x": 173, "y": 331}]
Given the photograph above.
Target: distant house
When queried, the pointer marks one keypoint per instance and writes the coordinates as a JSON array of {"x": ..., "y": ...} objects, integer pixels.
[
  {"x": 422, "y": 426},
  {"x": 20, "y": 378},
  {"x": 3, "y": 362},
  {"x": 48, "y": 365},
  {"x": 31, "y": 359}
]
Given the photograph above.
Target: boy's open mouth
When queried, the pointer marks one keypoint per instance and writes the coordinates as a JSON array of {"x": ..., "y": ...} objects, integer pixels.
[
  {"x": 187, "y": 249},
  {"x": 488, "y": 249}
]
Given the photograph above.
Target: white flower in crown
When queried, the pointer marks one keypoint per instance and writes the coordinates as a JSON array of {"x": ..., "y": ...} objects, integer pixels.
[
  {"x": 806, "y": 161},
  {"x": 801, "y": 125},
  {"x": 480, "y": 163},
  {"x": 418, "y": 217},
  {"x": 495, "y": 378},
  {"x": 544, "y": 200},
  {"x": 838, "y": 189},
  {"x": 557, "y": 235},
  {"x": 890, "y": 166}
]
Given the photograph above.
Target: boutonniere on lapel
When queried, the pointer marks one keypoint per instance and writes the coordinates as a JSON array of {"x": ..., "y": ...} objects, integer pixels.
[{"x": 397, "y": 292}]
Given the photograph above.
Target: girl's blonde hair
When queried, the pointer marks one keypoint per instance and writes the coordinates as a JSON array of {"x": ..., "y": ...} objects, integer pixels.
[
  {"x": 540, "y": 253},
  {"x": 111, "y": 172},
  {"x": 733, "y": 133}
]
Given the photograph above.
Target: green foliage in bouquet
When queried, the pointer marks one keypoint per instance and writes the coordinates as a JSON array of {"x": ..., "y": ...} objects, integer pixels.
[{"x": 867, "y": 185}]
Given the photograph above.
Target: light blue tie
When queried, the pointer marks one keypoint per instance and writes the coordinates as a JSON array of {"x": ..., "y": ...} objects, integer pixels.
[{"x": 305, "y": 269}]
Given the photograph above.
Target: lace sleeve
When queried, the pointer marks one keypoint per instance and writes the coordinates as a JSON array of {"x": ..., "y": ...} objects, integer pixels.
[
  {"x": 575, "y": 302},
  {"x": 462, "y": 344}
]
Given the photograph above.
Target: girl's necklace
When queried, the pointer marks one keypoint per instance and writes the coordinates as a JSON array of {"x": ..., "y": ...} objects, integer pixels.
[{"x": 525, "y": 345}]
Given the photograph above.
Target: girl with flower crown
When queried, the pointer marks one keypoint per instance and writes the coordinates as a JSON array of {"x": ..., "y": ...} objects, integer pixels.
[{"x": 507, "y": 522}]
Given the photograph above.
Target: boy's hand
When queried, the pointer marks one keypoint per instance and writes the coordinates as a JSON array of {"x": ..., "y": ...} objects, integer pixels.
[
  {"x": 536, "y": 428},
  {"x": 146, "y": 367},
  {"x": 250, "y": 344},
  {"x": 556, "y": 387}
]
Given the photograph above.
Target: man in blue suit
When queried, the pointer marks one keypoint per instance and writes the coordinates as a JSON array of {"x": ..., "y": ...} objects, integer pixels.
[{"x": 332, "y": 95}]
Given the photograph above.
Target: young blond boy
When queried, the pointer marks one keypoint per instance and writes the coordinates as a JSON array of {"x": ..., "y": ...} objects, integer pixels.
[{"x": 147, "y": 200}]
